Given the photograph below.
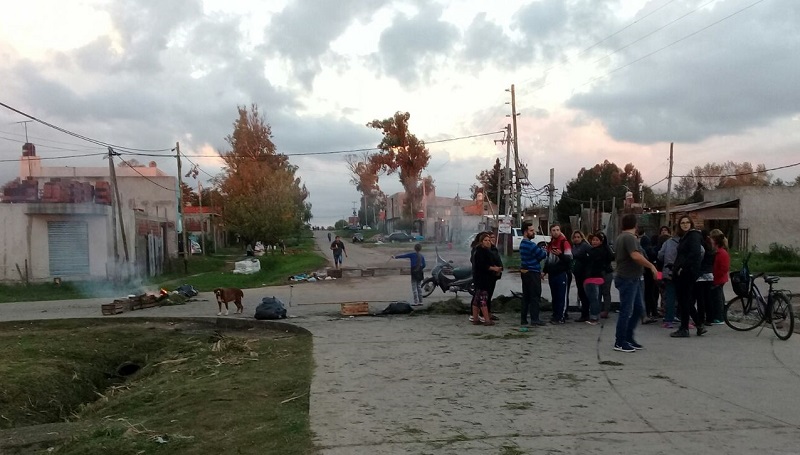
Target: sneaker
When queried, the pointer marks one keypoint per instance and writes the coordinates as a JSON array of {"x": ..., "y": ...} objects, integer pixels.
[
  {"x": 666, "y": 325},
  {"x": 592, "y": 322},
  {"x": 416, "y": 304},
  {"x": 582, "y": 319},
  {"x": 539, "y": 323},
  {"x": 650, "y": 320},
  {"x": 480, "y": 319},
  {"x": 635, "y": 345},
  {"x": 691, "y": 325},
  {"x": 495, "y": 318},
  {"x": 624, "y": 347},
  {"x": 523, "y": 323},
  {"x": 701, "y": 330},
  {"x": 717, "y": 322},
  {"x": 680, "y": 333}
]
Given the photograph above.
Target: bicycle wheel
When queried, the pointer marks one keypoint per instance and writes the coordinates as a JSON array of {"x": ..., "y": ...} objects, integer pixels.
[
  {"x": 782, "y": 316},
  {"x": 428, "y": 286},
  {"x": 743, "y": 314}
]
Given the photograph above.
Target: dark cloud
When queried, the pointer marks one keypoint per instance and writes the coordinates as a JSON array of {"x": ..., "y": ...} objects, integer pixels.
[
  {"x": 303, "y": 31},
  {"x": 734, "y": 76},
  {"x": 409, "y": 48}
]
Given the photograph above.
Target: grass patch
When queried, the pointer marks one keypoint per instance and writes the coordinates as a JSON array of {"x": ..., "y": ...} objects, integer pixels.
[
  {"x": 780, "y": 260},
  {"x": 511, "y": 450},
  {"x": 200, "y": 390},
  {"x": 519, "y": 406},
  {"x": 205, "y": 274},
  {"x": 611, "y": 363}
]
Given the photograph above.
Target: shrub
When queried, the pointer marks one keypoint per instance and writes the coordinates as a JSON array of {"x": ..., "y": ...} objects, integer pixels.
[{"x": 783, "y": 253}]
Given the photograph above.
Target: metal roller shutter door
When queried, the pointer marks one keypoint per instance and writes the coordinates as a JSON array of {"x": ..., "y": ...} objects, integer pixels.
[{"x": 69, "y": 248}]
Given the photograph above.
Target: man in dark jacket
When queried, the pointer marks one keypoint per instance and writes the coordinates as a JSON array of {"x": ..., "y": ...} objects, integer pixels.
[{"x": 556, "y": 267}]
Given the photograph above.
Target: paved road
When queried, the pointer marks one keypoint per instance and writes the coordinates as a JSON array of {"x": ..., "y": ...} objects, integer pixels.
[{"x": 437, "y": 385}]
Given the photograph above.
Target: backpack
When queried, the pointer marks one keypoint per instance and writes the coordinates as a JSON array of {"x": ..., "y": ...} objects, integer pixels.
[{"x": 270, "y": 308}]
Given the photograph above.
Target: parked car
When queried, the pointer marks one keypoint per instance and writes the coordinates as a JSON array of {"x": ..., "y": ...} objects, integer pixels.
[
  {"x": 358, "y": 237},
  {"x": 539, "y": 239},
  {"x": 398, "y": 237}
]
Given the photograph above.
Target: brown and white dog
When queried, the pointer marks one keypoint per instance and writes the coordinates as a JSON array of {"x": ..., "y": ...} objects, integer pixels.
[{"x": 225, "y": 295}]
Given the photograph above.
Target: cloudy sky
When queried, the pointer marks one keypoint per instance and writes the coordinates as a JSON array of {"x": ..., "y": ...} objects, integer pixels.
[{"x": 595, "y": 80}]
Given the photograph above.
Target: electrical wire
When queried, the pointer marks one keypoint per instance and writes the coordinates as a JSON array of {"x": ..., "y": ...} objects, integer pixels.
[
  {"x": 144, "y": 176},
  {"x": 41, "y": 141},
  {"x": 54, "y": 157},
  {"x": 741, "y": 173},
  {"x": 79, "y": 136}
]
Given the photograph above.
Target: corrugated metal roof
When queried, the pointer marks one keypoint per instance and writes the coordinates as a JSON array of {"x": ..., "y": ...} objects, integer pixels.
[{"x": 702, "y": 205}]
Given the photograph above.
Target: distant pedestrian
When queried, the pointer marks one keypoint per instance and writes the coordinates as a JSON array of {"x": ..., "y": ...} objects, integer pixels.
[
  {"x": 329, "y": 236},
  {"x": 630, "y": 267},
  {"x": 249, "y": 250},
  {"x": 338, "y": 249},
  {"x": 417, "y": 273},
  {"x": 530, "y": 272}
]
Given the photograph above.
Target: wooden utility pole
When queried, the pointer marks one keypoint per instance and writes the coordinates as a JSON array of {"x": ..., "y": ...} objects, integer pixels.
[
  {"x": 111, "y": 154},
  {"x": 187, "y": 249},
  {"x": 113, "y": 209},
  {"x": 516, "y": 156},
  {"x": 551, "y": 188},
  {"x": 669, "y": 183},
  {"x": 202, "y": 218}
]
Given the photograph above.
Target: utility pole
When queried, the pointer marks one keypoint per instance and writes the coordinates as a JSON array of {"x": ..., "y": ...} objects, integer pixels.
[
  {"x": 516, "y": 156},
  {"x": 669, "y": 182},
  {"x": 551, "y": 188},
  {"x": 113, "y": 171},
  {"x": 187, "y": 249},
  {"x": 202, "y": 218},
  {"x": 113, "y": 211}
]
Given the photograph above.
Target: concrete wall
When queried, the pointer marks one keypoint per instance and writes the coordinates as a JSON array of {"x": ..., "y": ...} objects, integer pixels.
[
  {"x": 771, "y": 214},
  {"x": 24, "y": 238}
]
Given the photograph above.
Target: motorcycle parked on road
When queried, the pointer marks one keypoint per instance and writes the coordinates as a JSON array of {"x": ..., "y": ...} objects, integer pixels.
[{"x": 448, "y": 278}]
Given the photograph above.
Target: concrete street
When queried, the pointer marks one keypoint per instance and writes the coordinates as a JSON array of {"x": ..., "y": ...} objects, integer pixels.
[{"x": 438, "y": 385}]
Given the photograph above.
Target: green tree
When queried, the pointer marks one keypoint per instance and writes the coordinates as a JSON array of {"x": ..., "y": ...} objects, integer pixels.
[
  {"x": 402, "y": 152},
  {"x": 263, "y": 200},
  {"x": 488, "y": 182},
  {"x": 599, "y": 183}
]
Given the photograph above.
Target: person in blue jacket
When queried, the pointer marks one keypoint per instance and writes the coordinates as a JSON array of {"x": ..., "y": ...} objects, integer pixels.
[{"x": 417, "y": 273}]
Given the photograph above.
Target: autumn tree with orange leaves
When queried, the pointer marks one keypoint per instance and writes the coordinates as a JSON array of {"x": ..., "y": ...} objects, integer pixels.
[
  {"x": 263, "y": 200},
  {"x": 402, "y": 152},
  {"x": 364, "y": 175}
]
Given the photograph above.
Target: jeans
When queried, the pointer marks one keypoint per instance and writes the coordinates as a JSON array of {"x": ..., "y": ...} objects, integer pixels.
[
  {"x": 631, "y": 307},
  {"x": 531, "y": 296},
  {"x": 605, "y": 291},
  {"x": 685, "y": 292},
  {"x": 416, "y": 291},
  {"x": 558, "y": 289},
  {"x": 718, "y": 303},
  {"x": 669, "y": 301},
  {"x": 592, "y": 293}
]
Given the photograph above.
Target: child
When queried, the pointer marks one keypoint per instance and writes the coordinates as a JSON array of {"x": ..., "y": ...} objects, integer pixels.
[{"x": 417, "y": 274}]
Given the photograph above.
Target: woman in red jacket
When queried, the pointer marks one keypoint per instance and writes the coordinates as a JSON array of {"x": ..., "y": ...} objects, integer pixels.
[{"x": 722, "y": 263}]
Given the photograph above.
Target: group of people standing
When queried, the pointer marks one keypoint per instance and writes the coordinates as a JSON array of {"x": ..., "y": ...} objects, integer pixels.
[{"x": 685, "y": 271}]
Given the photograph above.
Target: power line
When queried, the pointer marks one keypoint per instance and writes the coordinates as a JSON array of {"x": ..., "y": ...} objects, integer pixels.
[
  {"x": 673, "y": 43},
  {"x": 55, "y": 157},
  {"x": 50, "y": 146},
  {"x": 79, "y": 136},
  {"x": 144, "y": 176},
  {"x": 602, "y": 41},
  {"x": 39, "y": 140},
  {"x": 741, "y": 173}
]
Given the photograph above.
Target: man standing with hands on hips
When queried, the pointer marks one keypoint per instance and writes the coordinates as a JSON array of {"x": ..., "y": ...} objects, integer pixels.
[{"x": 630, "y": 269}]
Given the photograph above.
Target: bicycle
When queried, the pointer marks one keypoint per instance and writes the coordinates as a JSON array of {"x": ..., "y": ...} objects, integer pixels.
[{"x": 749, "y": 309}]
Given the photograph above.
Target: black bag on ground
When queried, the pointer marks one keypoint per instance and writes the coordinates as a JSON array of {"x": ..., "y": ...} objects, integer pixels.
[
  {"x": 187, "y": 290},
  {"x": 270, "y": 308},
  {"x": 398, "y": 308}
]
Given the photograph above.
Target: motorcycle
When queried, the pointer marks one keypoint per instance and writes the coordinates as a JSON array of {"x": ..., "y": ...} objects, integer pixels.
[{"x": 448, "y": 278}]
